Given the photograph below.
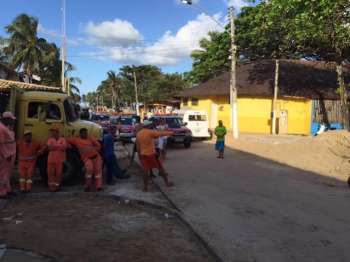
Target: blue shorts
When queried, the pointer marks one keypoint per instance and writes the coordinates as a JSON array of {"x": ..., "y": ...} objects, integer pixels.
[{"x": 220, "y": 146}]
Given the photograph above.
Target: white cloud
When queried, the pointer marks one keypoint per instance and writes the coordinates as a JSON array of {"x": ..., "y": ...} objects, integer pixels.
[
  {"x": 54, "y": 34},
  {"x": 237, "y": 4},
  {"x": 113, "y": 33},
  {"x": 170, "y": 49}
]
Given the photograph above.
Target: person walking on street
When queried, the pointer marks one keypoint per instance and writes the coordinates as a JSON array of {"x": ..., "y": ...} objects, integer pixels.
[
  {"x": 111, "y": 162},
  {"x": 147, "y": 152},
  {"x": 7, "y": 153},
  {"x": 89, "y": 150},
  {"x": 56, "y": 146},
  {"x": 220, "y": 132},
  {"x": 27, "y": 155}
]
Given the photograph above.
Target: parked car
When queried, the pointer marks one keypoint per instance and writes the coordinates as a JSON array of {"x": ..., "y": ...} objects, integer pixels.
[
  {"x": 197, "y": 122},
  {"x": 102, "y": 120},
  {"x": 125, "y": 127},
  {"x": 182, "y": 135}
]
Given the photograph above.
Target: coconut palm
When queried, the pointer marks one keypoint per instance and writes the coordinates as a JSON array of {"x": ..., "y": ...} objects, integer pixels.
[
  {"x": 114, "y": 86},
  {"x": 27, "y": 51}
]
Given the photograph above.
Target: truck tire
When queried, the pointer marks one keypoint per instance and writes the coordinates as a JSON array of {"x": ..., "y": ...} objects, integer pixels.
[
  {"x": 42, "y": 166},
  {"x": 73, "y": 167}
]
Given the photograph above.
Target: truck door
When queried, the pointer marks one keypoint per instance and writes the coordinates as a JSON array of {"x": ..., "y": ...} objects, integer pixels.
[{"x": 39, "y": 118}]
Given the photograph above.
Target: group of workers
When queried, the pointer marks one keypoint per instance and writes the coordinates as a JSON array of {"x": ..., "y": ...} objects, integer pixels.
[
  {"x": 150, "y": 145},
  {"x": 28, "y": 151}
]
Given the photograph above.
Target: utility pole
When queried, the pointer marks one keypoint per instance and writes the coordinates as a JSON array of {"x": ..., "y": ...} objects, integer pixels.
[
  {"x": 136, "y": 95},
  {"x": 63, "y": 47},
  {"x": 233, "y": 85},
  {"x": 275, "y": 95}
]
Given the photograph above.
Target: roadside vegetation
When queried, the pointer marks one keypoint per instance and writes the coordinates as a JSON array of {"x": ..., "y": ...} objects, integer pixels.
[{"x": 22, "y": 51}]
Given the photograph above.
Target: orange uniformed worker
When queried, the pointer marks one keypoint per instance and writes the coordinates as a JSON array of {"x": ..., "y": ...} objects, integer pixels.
[
  {"x": 89, "y": 149},
  {"x": 56, "y": 146},
  {"x": 27, "y": 155}
]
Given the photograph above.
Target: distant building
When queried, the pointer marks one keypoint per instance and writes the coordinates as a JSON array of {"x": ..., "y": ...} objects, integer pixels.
[{"x": 307, "y": 96}]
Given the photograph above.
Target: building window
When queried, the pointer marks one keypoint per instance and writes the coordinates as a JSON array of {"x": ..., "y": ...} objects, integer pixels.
[
  {"x": 185, "y": 101},
  {"x": 194, "y": 101}
]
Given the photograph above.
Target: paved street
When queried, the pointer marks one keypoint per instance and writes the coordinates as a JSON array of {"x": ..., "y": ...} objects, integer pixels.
[{"x": 251, "y": 209}]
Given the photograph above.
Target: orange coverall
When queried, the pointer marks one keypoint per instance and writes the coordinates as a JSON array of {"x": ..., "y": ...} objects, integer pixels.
[
  {"x": 7, "y": 158},
  {"x": 89, "y": 152},
  {"x": 27, "y": 155},
  {"x": 57, "y": 155}
]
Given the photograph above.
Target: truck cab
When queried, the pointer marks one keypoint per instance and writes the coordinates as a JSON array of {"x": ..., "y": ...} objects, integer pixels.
[{"x": 36, "y": 108}]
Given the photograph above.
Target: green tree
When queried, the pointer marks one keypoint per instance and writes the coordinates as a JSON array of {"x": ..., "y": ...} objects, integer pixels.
[
  {"x": 27, "y": 51},
  {"x": 321, "y": 29},
  {"x": 211, "y": 59}
]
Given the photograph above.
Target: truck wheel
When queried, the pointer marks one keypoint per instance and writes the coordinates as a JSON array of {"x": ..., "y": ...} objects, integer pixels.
[
  {"x": 42, "y": 166},
  {"x": 73, "y": 167}
]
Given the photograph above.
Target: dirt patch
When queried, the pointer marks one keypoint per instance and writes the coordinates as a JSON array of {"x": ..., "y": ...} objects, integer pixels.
[
  {"x": 88, "y": 227},
  {"x": 327, "y": 154}
]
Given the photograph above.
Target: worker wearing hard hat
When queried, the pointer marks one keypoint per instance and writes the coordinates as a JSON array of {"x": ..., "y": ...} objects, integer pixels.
[
  {"x": 7, "y": 153},
  {"x": 56, "y": 146},
  {"x": 27, "y": 155},
  {"x": 89, "y": 149}
]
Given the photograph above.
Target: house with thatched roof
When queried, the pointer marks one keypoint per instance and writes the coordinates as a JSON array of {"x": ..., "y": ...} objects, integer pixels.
[{"x": 307, "y": 94}]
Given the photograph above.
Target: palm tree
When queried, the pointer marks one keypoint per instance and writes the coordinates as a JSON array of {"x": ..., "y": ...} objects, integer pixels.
[
  {"x": 27, "y": 51},
  {"x": 114, "y": 86}
]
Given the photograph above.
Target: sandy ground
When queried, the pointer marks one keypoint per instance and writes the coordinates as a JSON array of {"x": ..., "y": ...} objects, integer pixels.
[
  {"x": 89, "y": 227},
  {"x": 250, "y": 209},
  {"x": 327, "y": 154}
]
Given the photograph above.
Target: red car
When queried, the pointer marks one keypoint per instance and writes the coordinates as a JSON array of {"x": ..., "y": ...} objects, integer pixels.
[
  {"x": 125, "y": 127},
  {"x": 182, "y": 135}
]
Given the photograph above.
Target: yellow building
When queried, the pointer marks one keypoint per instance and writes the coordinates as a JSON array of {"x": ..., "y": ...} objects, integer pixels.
[{"x": 301, "y": 83}]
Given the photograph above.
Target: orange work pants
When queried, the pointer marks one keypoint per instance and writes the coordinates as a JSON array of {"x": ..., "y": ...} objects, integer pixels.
[
  {"x": 26, "y": 169},
  {"x": 54, "y": 172},
  {"x": 93, "y": 169}
]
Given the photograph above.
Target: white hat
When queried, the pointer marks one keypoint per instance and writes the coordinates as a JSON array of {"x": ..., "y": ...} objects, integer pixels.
[
  {"x": 9, "y": 115},
  {"x": 147, "y": 122}
]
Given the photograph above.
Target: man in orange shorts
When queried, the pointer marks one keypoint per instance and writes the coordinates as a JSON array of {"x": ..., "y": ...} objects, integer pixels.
[
  {"x": 56, "y": 146},
  {"x": 147, "y": 152},
  {"x": 89, "y": 149},
  {"x": 27, "y": 155}
]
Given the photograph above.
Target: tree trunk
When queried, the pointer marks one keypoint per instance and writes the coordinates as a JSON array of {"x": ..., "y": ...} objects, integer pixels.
[
  {"x": 343, "y": 97},
  {"x": 113, "y": 97},
  {"x": 275, "y": 95}
]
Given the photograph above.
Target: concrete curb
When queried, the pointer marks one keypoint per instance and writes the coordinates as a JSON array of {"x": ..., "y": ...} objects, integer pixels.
[{"x": 179, "y": 215}]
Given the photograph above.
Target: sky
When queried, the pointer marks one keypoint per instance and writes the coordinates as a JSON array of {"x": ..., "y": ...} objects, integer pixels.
[{"x": 104, "y": 35}]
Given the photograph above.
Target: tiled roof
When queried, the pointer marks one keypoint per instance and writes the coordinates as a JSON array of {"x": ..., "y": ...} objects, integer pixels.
[
  {"x": 314, "y": 80},
  {"x": 7, "y": 84}
]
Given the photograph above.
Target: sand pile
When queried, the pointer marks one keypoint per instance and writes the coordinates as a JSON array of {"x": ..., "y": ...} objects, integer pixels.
[{"x": 327, "y": 154}]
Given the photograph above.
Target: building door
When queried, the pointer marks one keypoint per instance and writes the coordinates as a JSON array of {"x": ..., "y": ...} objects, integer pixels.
[
  {"x": 283, "y": 122},
  {"x": 213, "y": 115}
]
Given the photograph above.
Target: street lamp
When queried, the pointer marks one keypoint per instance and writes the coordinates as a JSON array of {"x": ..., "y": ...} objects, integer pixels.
[
  {"x": 233, "y": 80},
  {"x": 187, "y": 2}
]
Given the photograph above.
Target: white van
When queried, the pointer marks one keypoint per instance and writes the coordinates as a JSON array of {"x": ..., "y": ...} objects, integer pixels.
[{"x": 197, "y": 122}]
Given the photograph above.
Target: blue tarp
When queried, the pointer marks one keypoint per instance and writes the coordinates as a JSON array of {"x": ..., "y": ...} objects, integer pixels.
[{"x": 333, "y": 126}]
